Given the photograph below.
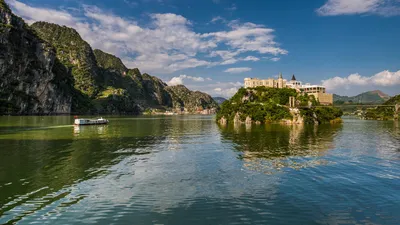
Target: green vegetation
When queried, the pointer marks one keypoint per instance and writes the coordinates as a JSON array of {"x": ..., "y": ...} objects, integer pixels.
[
  {"x": 74, "y": 53},
  {"x": 384, "y": 112},
  {"x": 321, "y": 114},
  {"x": 108, "y": 61},
  {"x": 192, "y": 101},
  {"x": 219, "y": 100},
  {"x": 111, "y": 91},
  {"x": 4, "y": 6},
  {"x": 4, "y": 25},
  {"x": 271, "y": 104},
  {"x": 260, "y": 104},
  {"x": 73, "y": 77}
]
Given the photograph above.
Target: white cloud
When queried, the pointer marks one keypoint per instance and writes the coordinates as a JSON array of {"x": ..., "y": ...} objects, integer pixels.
[
  {"x": 224, "y": 54},
  {"x": 228, "y": 57},
  {"x": 179, "y": 80},
  {"x": 175, "y": 81},
  {"x": 224, "y": 89},
  {"x": 238, "y": 70},
  {"x": 350, "y": 7},
  {"x": 229, "y": 61},
  {"x": 32, "y": 14},
  {"x": 166, "y": 44},
  {"x": 248, "y": 37},
  {"x": 251, "y": 58},
  {"x": 227, "y": 93},
  {"x": 218, "y": 18},
  {"x": 382, "y": 79}
]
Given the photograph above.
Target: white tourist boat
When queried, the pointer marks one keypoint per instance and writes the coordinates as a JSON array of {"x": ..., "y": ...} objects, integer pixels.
[{"x": 98, "y": 121}]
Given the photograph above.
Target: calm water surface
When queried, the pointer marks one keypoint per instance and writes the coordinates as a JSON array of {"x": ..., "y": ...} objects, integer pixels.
[{"x": 188, "y": 170}]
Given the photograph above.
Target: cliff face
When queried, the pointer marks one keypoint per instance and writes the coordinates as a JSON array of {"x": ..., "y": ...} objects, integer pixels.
[
  {"x": 30, "y": 80},
  {"x": 145, "y": 90},
  {"x": 190, "y": 101},
  {"x": 47, "y": 68},
  {"x": 74, "y": 53}
]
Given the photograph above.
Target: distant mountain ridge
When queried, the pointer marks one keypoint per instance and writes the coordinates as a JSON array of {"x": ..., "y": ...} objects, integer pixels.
[
  {"x": 220, "y": 100},
  {"x": 368, "y": 97},
  {"x": 190, "y": 101}
]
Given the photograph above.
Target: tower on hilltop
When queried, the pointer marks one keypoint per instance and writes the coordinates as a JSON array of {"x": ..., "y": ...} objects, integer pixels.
[{"x": 280, "y": 81}]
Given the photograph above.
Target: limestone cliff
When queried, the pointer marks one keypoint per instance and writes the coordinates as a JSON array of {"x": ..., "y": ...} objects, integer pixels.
[
  {"x": 74, "y": 53},
  {"x": 31, "y": 81},
  {"x": 47, "y": 68},
  {"x": 147, "y": 91}
]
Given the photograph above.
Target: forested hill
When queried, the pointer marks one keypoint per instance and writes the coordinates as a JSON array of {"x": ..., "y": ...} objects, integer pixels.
[
  {"x": 384, "y": 112},
  {"x": 192, "y": 100},
  {"x": 265, "y": 105},
  {"x": 369, "y": 97},
  {"x": 46, "y": 68},
  {"x": 219, "y": 100}
]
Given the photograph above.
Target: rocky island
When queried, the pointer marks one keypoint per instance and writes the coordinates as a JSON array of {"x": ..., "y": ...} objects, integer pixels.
[
  {"x": 266, "y": 105},
  {"x": 49, "y": 69}
]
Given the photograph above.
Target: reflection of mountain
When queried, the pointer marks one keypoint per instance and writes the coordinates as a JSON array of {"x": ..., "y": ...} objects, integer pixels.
[{"x": 277, "y": 146}]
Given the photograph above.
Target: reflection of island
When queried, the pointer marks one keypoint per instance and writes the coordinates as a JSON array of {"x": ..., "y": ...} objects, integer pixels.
[{"x": 274, "y": 146}]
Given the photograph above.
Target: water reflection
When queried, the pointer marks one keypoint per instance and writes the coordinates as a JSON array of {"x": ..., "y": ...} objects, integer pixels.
[
  {"x": 99, "y": 129},
  {"x": 41, "y": 159},
  {"x": 188, "y": 170},
  {"x": 274, "y": 147}
]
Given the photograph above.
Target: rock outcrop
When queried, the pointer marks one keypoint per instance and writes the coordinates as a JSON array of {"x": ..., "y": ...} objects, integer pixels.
[
  {"x": 46, "y": 68},
  {"x": 74, "y": 53},
  {"x": 31, "y": 80}
]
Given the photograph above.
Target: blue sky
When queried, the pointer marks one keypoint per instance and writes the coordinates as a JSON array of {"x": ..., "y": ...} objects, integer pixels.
[{"x": 350, "y": 46}]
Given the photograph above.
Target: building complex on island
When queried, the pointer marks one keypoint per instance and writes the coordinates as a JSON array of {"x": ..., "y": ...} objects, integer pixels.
[{"x": 318, "y": 91}]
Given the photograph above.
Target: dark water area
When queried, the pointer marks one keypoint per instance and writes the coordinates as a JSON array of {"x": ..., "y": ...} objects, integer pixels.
[{"x": 189, "y": 170}]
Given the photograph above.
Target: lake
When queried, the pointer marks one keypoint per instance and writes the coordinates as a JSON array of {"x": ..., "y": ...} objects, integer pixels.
[{"x": 189, "y": 170}]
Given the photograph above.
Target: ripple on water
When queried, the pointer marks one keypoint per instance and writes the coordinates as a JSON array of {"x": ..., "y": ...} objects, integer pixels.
[{"x": 188, "y": 170}]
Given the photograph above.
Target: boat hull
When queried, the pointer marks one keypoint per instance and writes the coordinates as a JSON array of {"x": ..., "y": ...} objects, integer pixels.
[{"x": 88, "y": 122}]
